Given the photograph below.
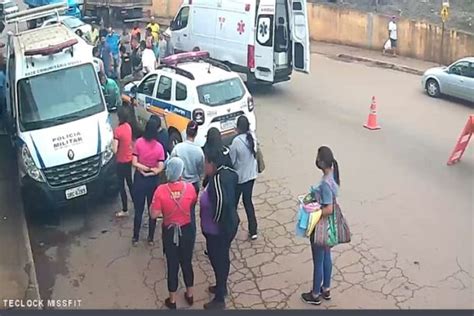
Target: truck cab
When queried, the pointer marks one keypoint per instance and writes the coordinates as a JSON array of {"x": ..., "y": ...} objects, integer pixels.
[
  {"x": 73, "y": 8},
  {"x": 56, "y": 115}
]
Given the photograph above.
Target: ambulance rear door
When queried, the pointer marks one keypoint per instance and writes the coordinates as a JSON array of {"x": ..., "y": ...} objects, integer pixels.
[
  {"x": 265, "y": 26},
  {"x": 300, "y": 36}
]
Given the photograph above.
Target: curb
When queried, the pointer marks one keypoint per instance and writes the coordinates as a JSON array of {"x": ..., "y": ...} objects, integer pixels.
[
  {"x": 32, "y": 291},
  {"x": 381, "y": 64}
]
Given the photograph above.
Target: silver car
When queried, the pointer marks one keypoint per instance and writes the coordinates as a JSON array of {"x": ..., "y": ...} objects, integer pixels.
[{"x": 457, "y": 80}]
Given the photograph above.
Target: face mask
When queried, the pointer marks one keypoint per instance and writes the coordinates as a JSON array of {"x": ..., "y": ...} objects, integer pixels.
[{"x": 318, "y": 164}]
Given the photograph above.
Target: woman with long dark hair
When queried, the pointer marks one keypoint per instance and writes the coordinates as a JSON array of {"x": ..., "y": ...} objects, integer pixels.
[
  {"x": 325, "y": 192},
  {"x": 243, "y": 153},
  {"x": 148, "y": 160},
  {"x": 214, "y": 142}
]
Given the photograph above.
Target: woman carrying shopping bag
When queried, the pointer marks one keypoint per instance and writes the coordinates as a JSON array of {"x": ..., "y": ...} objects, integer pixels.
[{"x": 325, "y": 193}]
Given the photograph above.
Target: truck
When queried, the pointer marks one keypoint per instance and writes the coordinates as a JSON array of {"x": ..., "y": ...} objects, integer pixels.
[
  {"x": 264, "y": 40},
  {"x": 74, "y": 8},
  {"x": 115, "y": 10},
  {"x": 62, "y": 139}
]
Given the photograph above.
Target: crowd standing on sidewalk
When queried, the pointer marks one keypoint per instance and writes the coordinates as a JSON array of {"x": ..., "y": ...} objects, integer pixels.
[{"x": 170, "y": 179}]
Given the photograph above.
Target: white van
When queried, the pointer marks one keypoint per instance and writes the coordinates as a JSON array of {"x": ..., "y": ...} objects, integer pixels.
[
  {"x": 263, "y": 39},
  {"x": 56, "y": 114}
]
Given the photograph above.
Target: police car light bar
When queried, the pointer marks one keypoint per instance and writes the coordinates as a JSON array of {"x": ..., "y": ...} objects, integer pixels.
[
  {"x": 51, "y": 49},
  {"x": 36, "y": 13},
  {"x": 183, "y": 57}
]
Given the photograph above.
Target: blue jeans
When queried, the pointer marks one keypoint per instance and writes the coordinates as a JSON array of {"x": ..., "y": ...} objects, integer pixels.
[{"x": 322, "y": 268}]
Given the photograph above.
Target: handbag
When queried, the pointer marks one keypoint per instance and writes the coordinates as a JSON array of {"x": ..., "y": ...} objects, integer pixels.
[
  {"x": 260, "y": 161},
  {"x": 343, "y": 230},
  {"x": 325, "y": 232}
]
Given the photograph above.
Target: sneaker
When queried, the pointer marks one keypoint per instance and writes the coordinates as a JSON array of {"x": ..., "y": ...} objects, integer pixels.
[
  {"x": 253, "y": 237},
  {"x": 134, "y": 242},
  {"x": 151, "y": 243},
  {"x": 214, "y": 305},
  {"x": 189, "y": 299},
  {"x": 309, "y": 298},
  {"x": 121, "y": 214},
  {"x": 326, "y": 294},
  {"x": 169, "y": 304}
]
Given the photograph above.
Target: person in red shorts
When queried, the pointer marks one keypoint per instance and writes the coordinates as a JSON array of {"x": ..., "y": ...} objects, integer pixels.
[
  {"x": 122, "y": 147},
  {"x": 175, "y": 201}
]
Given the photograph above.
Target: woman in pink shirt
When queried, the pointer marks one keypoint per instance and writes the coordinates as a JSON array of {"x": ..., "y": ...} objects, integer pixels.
[{"x": 148, "y": 160}]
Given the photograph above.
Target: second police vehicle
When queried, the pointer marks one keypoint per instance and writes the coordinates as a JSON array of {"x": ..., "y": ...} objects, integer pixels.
[{"x": 190, "y": 86}]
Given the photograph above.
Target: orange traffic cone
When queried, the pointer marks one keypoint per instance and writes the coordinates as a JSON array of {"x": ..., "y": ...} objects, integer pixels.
[{"x": 372, "y": 119}]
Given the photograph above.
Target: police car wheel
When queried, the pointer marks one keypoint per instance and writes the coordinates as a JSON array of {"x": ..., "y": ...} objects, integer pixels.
[{"x": 175, "y": 138}]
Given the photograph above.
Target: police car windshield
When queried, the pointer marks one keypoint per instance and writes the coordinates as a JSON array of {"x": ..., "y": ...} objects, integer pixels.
[
  {"x": 59, "y": 97},
  {"x": 222, "y": 92}
]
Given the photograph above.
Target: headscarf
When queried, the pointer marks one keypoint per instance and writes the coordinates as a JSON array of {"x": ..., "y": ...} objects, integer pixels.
[{"x": 174, "y": 169}]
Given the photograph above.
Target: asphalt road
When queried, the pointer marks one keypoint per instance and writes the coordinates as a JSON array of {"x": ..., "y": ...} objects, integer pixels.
[{"x": 411, "y": 215}]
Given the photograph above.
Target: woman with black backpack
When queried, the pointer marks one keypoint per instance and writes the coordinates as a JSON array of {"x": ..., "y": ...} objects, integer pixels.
[{"x": 243, "y": 152}]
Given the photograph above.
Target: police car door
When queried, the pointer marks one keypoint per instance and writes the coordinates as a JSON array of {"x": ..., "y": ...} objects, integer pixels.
[
  {"x": 300, "y": 36},
  {"x": 264, "y": 65},
  {"x": 145, "y": 90}
]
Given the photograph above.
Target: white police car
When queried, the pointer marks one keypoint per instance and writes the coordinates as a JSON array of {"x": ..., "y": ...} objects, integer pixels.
[{"x": 190, "y": 86}]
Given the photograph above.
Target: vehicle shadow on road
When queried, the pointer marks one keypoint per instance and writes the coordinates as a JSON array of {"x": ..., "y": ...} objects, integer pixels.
[{"x": 265, "y": 90}]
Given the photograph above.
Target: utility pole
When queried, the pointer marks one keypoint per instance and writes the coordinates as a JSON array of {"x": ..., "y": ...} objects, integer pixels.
[{"x": 444, "y": 19}]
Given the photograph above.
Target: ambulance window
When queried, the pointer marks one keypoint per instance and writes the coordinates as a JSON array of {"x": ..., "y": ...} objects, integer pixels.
[
  {"x": 164, "y": 88},
  {"x": 181, "y": 20},
  {"x": 146, "y": 87},
  {"x": 265, "y": 30},
  {"x": 181, "y": 92}
]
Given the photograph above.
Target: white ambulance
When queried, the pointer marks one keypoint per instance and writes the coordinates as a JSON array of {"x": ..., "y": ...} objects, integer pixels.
[
  {"x": 263, "y": 39},
  {"x": 56, "y": 114}
]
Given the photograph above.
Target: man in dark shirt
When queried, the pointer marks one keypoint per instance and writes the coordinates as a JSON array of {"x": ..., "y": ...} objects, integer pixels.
[{"x": 126, "y": 63}]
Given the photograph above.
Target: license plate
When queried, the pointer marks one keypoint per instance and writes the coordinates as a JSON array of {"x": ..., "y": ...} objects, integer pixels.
[
  {"x": 227, "y": 125},
  {"x": 76, "y": 192}
]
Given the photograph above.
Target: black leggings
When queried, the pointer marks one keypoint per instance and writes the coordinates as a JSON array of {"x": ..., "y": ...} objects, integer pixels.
[
  {"x": 246, "y": 190},
  {"x": 218, "y": 247},
  {"x": 143, "y": 190},
  {"x": 124, "y": 174},
  {"x": 179, "y": 256}
]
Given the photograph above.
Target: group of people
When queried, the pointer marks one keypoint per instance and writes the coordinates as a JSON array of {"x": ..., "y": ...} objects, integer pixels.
[
  {"x": 171, "y": 181},
  {"x": 126, "y": 57}
]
